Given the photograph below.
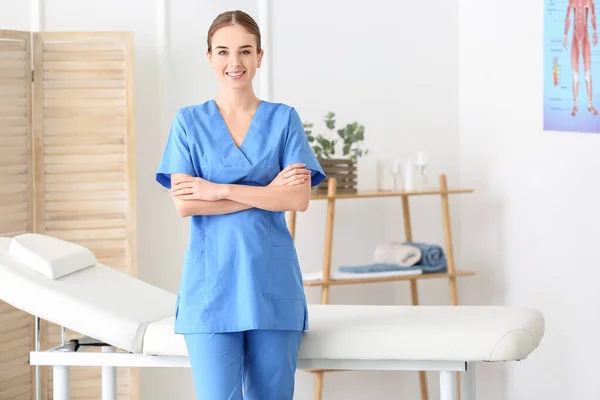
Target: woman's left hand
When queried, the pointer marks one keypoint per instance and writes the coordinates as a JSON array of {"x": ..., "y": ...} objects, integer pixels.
[{"x": 191, "y": 188}]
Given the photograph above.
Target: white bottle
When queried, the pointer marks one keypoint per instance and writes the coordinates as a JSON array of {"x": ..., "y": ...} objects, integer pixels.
[
  {"x": 422, "y": 170},
  {"x": 384, "y": 179},
  {"x": 409, "y": 175}
]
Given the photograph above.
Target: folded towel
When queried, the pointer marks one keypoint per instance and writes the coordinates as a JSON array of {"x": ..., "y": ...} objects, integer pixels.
[
  {"x": 433, "y": 260},
  {"x": 431, "y": 254},
  {"x": 337, "y": 275},
  {"x": 380, "y": 267},
  {"x": 397, "y": 253}
]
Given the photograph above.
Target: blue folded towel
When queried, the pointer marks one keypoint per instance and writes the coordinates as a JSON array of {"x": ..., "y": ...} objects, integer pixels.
[
  {"x": 432, "y": 255},
  {"x": 433, "y": 260}
]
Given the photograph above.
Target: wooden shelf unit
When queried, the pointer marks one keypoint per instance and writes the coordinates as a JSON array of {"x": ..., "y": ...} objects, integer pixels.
[{"x": 326, "y": 282}]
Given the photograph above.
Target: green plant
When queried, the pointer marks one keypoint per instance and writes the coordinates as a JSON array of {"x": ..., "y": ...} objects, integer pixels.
[{"x": 351, "y": 137}]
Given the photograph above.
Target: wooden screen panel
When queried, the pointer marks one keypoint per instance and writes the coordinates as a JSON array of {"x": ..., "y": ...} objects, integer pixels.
[
  {"x": 15, "y": 133},
  {"x": 84, "y": 157},
  {"x": 16, "y": 204}
]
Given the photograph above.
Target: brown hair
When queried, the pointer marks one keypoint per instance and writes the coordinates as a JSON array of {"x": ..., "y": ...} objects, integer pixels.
[{"x": 232, "y": 18}]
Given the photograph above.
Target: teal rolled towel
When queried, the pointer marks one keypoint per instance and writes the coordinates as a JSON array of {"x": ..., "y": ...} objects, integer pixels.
[{"x": 431, "y": 254}]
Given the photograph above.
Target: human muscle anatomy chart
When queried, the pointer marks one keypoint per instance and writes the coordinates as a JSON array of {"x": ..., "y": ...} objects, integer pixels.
[{"x": 571, "y": 60}]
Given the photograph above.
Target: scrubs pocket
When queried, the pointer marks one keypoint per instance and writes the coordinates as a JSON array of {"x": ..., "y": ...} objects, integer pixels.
[
  {"x": 286, "y": 278},
  {"x": 193, "y": 280}
]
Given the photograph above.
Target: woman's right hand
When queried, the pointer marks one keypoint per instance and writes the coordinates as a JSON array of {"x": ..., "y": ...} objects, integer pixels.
[{"x": 293, "y": 174}]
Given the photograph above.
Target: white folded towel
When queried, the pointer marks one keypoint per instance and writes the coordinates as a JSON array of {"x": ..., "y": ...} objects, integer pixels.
[
  {"x": 397, "y": 253},
  {"x": 337, "y": 275}
]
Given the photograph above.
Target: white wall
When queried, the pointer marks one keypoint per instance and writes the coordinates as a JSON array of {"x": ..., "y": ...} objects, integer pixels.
[
  {"x": 556, "y": 268},
  {"x": 377, "y": 62},
  {"x": 363, "y": 61}
]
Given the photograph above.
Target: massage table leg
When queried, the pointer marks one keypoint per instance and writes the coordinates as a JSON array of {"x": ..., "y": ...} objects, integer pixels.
[
  {"x": 61, "y": 358},
  {"x": 467, "y": 383},
  {"x": 448, "y": 385},
  {"x": 38, "y": 339},
  {"x": 60, "y": 382},
  {"x": 109, "y": 378}
]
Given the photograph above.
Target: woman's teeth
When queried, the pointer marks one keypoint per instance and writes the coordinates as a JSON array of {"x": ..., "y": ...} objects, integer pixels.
[{"x": 235, "y": 74}]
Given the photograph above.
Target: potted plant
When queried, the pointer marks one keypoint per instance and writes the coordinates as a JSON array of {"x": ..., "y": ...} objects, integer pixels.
[{"x": 327, "y": 148}]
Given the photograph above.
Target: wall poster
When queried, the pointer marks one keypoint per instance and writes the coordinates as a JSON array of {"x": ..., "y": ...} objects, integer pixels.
[{"x": 571, "y": 66}]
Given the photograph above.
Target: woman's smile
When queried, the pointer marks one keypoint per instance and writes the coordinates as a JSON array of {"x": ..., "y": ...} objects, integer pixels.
[{"x": 235, "y": 75}]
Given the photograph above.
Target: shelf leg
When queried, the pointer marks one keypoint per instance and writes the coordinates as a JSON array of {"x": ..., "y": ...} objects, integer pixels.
[
  {"x": 319, "y": 385},
  {"x": 406, "y": 217},
  {"x": 332, "y": 184},
  {"x": 292, "y": 224},
  {"x": 414, "y": 294},
  {"x": 422, "y": 375},
  {"x": 328, "y": 239},
  {"x": 449, "y": 250}
]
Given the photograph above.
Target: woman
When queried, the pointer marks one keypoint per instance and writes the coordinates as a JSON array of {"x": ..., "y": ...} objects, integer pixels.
[{"x": 235, "y": 164}]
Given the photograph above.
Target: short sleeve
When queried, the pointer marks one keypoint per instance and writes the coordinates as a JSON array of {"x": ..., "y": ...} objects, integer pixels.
[
  {"x": 176, "y": 157},
  {"x": 297, "y": 149}
]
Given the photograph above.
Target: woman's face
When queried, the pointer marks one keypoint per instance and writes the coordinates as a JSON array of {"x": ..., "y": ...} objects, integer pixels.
[{"x": 234, "y": 56}]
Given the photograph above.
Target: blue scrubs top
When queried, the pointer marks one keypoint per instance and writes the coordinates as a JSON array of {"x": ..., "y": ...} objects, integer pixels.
[{"x": 240, "y": 269}]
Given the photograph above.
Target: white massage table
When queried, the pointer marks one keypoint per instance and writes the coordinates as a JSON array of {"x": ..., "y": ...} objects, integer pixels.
[{"x": 132, "y": 322}]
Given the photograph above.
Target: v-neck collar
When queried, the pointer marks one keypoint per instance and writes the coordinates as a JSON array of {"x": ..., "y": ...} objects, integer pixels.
[
  {"x": 228, "y": 132},
  {"x": 230, "y": 153}
]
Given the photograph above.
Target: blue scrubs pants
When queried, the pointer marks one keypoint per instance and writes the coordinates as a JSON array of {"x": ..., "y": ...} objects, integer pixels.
[{"x": 262, "y": 363}]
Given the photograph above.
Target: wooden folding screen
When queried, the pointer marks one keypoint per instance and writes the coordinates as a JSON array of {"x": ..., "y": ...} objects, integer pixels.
[
  {"x": 16, "y": 202},
  {"x": 67, "y": 169}
]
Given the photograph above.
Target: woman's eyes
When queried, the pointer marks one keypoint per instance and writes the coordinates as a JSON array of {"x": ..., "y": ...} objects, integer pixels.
[{"x": 223, "y": 52}]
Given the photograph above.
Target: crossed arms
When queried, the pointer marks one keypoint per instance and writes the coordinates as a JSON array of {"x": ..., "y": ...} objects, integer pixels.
[{"x": 289, "y": 191}]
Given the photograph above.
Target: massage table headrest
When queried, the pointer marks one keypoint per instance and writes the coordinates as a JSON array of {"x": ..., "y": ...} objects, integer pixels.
[
  {"x": 99, "y": 301},
  {"x": 49, "y": 256}
]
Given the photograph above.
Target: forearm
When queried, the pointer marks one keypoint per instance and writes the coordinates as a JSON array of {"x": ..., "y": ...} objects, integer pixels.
[
  {"x": 271, "y": 198},
  {"x": 188, "y": 208}
]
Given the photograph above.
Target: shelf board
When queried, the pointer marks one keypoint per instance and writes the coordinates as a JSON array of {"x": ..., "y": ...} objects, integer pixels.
[
  {"x": 457, "y": 274},
  {"x": 315, "y": 371},
  {"x": 367, "y": 194}
]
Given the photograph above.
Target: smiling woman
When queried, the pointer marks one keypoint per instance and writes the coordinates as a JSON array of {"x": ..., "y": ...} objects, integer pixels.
[
  {"x": 234, "y": 47},
  {"x": 235, "y": 164}
]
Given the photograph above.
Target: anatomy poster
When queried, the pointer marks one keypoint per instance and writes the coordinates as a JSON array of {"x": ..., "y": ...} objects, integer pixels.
[{"x": 571, "y": 66}]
